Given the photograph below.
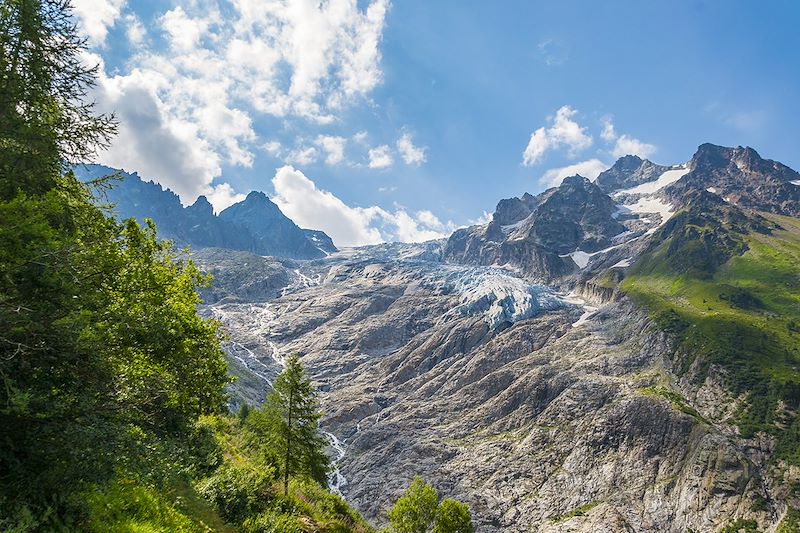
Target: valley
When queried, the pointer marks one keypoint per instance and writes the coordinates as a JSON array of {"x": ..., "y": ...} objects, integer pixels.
[{"x": 549, "y": 400}]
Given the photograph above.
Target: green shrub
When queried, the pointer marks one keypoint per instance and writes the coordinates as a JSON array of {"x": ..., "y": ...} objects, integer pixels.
[{"x": 238, "y": 491}]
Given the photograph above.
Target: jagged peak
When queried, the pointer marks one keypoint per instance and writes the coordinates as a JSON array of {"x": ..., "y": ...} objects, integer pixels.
[
  {"x": 202, "y": 205},
  {"x": 256, "y": 196},
  {"x": 576, "y": 181}
]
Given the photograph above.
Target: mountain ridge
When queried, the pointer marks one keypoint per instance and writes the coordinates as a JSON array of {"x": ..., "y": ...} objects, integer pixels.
[{"x": 257, "y": 225}]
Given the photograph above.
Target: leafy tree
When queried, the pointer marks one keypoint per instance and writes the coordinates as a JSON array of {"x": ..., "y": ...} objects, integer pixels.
[
  {"x": 101, "y": 347},
  {"x": 418, "y": 510},
  {"x": 295, "y": 434},
  {"x": 452, "y": 517},
  {"x": 415, "y": 510}
]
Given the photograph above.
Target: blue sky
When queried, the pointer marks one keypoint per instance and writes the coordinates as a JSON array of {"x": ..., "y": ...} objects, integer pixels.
[{"x": 378, "y": 120}]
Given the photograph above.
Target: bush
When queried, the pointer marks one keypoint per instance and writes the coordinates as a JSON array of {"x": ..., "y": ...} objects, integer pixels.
[{"x": 239, "y": 491}]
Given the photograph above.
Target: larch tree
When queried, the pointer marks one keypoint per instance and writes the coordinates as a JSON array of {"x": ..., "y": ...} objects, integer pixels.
[{"x": 296, "y": 435}]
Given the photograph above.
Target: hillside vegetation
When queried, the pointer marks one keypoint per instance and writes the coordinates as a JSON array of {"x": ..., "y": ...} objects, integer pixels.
[{"x": 728, "y": 285}]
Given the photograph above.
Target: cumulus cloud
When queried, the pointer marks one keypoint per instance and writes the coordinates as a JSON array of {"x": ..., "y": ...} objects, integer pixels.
[
  {"x": 154, "y": 143},
  {"x": 135, "y": 30},
  {"x": 563, "y": 132},
  {"x": 95, "y": 17},
  {"x": 333, "y": 147},
  {"x": 588, "y": 169},
  {"x": 184, "y": 31},
  {"x": 189, "y": 108},
  {"x": 310, "y": 207},
  {"x": 609, "y": 133},
  {"x": 412, "y": 155},
  {"x": 222, "y": 196},
  {"x": 624, "y": 144},
  {"x": 302, "y": 156},
  {"x": 380, "y": 157},
  {"x": 273, "y": 148}
]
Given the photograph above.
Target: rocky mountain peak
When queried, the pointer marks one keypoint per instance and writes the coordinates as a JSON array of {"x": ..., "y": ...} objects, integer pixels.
[
  {"x": 742, "y": 177},
  {"x": 201, "y": 207},
  {"x": 511, "y": 210},
  {"x": 629, "y": 171}
]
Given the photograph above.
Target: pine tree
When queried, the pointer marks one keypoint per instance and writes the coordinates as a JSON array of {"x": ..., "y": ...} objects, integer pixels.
[
  {"x": 296, "y": 434},
  {"x": 45, "y": 118}
]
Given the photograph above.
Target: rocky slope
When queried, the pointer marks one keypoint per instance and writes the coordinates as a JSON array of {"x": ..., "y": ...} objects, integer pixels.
[
  {"x": 518, "y": 367},
  {"x": 254, "y": 225}
]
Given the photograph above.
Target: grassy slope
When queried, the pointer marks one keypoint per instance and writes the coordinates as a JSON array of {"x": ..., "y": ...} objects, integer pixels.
[
  {"x": 241, "y": 495},
  {"x": 745, "y": 317}
]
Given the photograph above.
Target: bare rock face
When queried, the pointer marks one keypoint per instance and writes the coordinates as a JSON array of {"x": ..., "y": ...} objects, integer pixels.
[
  {"x": 535, "y": 234},
  {"x": 482, "y": 383},
  {"x": 628, "y": 171},
  {"x": 741, "y": 177}
]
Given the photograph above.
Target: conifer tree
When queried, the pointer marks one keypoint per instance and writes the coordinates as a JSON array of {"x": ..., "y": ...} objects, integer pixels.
[{"x": 296, "y": 434}]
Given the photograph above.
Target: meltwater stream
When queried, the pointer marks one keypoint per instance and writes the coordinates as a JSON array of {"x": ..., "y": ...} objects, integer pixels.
[{"x": 250, "y": 361}]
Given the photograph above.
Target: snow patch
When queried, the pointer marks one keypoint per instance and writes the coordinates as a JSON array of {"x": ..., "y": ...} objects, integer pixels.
[
  {"x": 581, "y": 258},
  {"x": 712, "y": 190},
  {"x": 622, "y": 264},
  {"x": 649, "y": 206},
  {"x": 510, "y": 228},
  {"x": 795, "y": 182},
  {"x": 588, "y": 310},
  {"x": 666, "y": 178}
]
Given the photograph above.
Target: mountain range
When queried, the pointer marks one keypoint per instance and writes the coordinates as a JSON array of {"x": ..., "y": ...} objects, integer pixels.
[
  {"x": 610, "y": 355},
  {"x": 254, "y": 225}
]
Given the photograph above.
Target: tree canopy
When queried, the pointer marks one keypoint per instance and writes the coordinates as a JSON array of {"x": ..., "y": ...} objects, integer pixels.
[
  {"x": 101, "y": 346},
  {"x": 418, "y": 510}
]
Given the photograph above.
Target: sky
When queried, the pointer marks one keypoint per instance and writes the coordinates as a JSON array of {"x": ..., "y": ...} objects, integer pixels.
[{"x": 380, "y": 120}]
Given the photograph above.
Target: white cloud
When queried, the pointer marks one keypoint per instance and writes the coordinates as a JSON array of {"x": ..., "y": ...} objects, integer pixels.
[
  {"x": 310, "y": 207},
  {"x": 380, "y": 157},
  {"x": 563, "y": 132},
  {"x": 184, "y": 31},
  {"x": 608, "y": 134},
  {"x": 222, "y": 196},
  {"x": 588, "y": 169},
  {"x": 153, "y": 142},
  {"x": 333, "y": 147},
  {"x": 302, "y": 156},
  {"x": 360, "y": 137},
  {"x": 624, "y": 144},
  {"x": 95, "y": 17},
  {"x": 135, "y": 30},
  {"x": 273, "y": 148},
  {"x": 187, "y": 110},
  {"x": 553, "y": 52},
  {"x": 485, "y": 218},
  {"x": 412, "y": 155}
]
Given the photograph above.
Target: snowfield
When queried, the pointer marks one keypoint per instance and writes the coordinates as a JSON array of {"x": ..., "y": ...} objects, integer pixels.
[{"x": 667, "y": 178}]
